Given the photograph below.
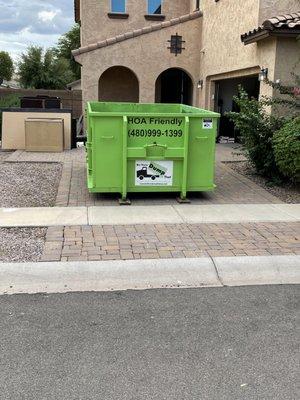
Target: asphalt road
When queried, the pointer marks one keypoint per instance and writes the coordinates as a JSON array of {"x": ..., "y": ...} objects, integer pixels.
[{"x": 190, "y": 344}]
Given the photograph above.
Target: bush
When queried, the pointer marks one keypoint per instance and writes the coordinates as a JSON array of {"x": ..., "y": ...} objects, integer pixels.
[
  {"x": 256, "y": 128},
  {"x": 286, "y": 145},
  {"x": 6, "y": 102}
]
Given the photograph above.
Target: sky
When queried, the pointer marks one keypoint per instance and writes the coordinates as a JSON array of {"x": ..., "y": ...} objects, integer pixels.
[{"x": 38, "y": 22}]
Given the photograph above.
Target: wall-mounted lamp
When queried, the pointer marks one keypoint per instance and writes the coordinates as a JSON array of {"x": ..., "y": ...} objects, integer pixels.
[
  {"x": 200, "y": 84},
  {"x": 263, "y": 75}
]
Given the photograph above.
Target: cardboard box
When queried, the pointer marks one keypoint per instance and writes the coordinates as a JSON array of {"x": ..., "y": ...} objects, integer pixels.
[
  {"x": 44, "y": 134},
  {"x": 13, "y": 126}
]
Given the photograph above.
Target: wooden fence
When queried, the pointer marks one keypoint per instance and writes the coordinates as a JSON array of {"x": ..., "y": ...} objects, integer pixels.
[{"x": 71, "y": 99}]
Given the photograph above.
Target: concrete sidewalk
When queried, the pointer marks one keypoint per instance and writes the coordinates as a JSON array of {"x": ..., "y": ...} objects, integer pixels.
[
  {"x": 62, "y": 277},
  {"x": 170, "y": 214}
]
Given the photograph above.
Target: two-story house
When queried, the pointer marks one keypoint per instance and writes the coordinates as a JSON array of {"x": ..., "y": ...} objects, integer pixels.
[{"x": 188, "y": 51}]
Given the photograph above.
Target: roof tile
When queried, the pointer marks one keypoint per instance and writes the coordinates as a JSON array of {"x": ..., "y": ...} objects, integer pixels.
[{"x": 286, "y": 21}]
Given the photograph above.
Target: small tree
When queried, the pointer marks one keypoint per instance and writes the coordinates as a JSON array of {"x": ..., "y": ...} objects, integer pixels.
[
  {"x": 256, "y": 128},
  {"x": 286, "y": 97},
  {"x": 286, "y": 145},
  {"x": 6, "y": 66},
  {"x": 66, "y": 43},
  {"x": 43, "y": 70}
]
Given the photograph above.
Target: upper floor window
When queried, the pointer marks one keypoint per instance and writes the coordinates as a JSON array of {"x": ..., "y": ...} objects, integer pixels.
[
  {"x": 154, "y": 6},
  {"x": 118, "y": 6}
]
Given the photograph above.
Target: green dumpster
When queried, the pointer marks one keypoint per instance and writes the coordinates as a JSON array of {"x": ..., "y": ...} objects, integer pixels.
[{"x": 150, "y": 148}]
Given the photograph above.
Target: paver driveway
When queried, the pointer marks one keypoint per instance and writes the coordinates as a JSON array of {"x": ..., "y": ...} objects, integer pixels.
[{"x": 231, "y": 186}]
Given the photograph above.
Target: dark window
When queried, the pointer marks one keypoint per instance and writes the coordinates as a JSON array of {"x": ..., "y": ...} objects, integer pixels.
[
  {"x": 154, "y": 6},
  {"x": 197, "y": 4},
  {"x": 118, "y": 6},
  {"x": 176, "y": 44}
]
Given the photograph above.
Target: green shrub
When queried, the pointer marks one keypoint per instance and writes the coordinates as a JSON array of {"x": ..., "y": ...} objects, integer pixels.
[
  {"x": 6, "y": 102},
  {"x": 286, "y": 145},
  {"x": 256, "y": 127}
]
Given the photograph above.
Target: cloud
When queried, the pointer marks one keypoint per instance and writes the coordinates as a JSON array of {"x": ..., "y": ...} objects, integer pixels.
[
  {"x": 45, "y": 16},
  {"x": 39, "y": 22}
]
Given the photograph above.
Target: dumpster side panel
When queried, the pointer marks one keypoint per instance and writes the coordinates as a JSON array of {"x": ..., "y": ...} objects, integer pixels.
[
  {"x": 201, "y": 158},
  {"x": 107, "y": 153},
  {"x": 89, "y": 153}
]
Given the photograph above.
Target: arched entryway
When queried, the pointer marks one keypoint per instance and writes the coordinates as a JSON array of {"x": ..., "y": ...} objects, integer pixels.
[
  {"x": 119, "y": 84},
  {"x": 174, "y": 86}
]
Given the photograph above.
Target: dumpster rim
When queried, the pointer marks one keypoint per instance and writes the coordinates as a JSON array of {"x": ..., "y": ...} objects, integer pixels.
[{"x": 200, "y": 112}]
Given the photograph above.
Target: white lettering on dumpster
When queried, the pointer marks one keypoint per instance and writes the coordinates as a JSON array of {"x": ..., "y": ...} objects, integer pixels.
[
  {"x": 153, "y": 173},
  {"x": 175, "y": 122}
]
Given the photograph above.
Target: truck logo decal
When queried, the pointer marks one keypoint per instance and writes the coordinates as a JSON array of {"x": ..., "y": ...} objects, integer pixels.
[{"x": 150, "y": 173}]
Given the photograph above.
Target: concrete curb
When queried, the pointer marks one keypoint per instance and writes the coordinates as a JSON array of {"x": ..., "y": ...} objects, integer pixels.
[
  {"x": 170, "y": 214},
  {"x": 261, "y": 270},
  {"x": 62, "y": 277}
]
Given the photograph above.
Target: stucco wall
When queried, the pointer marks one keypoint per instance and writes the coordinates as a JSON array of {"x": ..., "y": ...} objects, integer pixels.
[
  {"x": 222, "y": 49},
  {"x": 225, "y": 56},
  {"x": 271, "y": 8},
  {"x": 147, "y": 56},
  {"x": 97, "y": 26},
  {"x": 287, "y": 60},
  {"x": 223, "y": 24},
  {"x": 266, "y": 51}
]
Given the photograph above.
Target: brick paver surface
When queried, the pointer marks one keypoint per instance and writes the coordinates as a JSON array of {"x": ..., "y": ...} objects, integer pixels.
[
  {"x": 170, "y": 241},
  {"x": 231, "y": 186}
]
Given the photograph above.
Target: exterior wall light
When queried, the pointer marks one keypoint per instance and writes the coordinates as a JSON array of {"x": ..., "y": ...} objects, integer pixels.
[
  {"x": 263, "y": 75},
  {"x": 200, "y": 84}
]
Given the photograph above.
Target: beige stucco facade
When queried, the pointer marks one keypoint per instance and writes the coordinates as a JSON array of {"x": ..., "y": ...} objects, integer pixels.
[
  {"x": 213, "y": 50},
  {"x": 96, "y": 24},
  {"x": 147, "y": 66},
  {"x": 224, "y": 56}
]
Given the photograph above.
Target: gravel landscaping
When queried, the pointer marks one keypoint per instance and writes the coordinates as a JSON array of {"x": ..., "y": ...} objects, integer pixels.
[
  {"x": 21, "y": 244},
  {"x": 4, "y": 155},
  {"x": 29, "y": 184},
  {"x": 287, "y": 193}
]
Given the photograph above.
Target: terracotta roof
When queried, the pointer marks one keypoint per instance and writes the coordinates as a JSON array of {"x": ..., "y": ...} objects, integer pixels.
[
  {"x": 287, "y": 25},
  {"x": 77, "y": 10},
  {"x": 137, "y": 32}
]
